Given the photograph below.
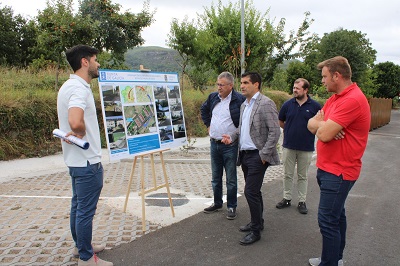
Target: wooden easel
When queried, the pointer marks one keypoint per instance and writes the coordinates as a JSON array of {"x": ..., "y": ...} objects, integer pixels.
[{"x": 143, "y": 190}]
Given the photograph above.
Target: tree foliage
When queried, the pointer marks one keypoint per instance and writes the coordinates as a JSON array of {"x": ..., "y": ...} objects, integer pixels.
[
  {"x": 295, "y": 70},
  {"x": 17, "y": 36},
  {"x": 116, "y": 32},
  {"x": 216, "y": 40},
  {"x": 42, "y": 41},
  {"x": 279, "y": 81},
  {"x": 387, "y": 80},
  {"x": 60, "y": 29},
  {"x": 351, "y": 44},
  {"x": 182, "y": 38}
]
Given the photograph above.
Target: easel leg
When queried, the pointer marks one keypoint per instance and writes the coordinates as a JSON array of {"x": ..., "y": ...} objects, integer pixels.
[
  {"x": 142, "y": 193},
  {"x": 167, "y": 184},
  {"x": 143, "y": 190},
  {"x": 130, "y": 184},
  {"x": 153, "y": 171}
]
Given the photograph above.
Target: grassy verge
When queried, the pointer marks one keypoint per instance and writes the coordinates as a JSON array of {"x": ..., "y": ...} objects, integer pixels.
[{"x": 28, "y": 112}]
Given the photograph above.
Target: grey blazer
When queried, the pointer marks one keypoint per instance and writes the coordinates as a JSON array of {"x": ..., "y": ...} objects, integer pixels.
[{"x": 264, "y": 128}]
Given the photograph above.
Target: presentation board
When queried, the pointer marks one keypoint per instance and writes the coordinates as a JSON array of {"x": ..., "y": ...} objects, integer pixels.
[{"x": 142, "y": 111}]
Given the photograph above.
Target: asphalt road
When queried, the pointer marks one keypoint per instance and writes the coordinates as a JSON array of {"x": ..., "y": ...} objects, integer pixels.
[{"x": 289, "y": 238}]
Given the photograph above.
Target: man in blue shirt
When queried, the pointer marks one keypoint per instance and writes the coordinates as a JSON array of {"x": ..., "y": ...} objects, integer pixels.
[{"x": 298, "y": 142}]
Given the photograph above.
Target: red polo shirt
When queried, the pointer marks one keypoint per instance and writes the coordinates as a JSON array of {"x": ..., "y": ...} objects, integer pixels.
[{"x": 351, "y": 110}]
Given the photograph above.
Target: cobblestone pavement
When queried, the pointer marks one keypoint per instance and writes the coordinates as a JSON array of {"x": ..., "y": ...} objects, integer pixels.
[{"x": 34, "y": 221}]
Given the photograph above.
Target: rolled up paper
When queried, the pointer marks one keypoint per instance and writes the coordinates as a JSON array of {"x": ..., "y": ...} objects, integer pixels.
[{"x": 77, "y": 141}]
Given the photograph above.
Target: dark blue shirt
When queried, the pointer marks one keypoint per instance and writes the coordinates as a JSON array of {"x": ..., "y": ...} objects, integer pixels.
[{"x": 296, "y": 136}]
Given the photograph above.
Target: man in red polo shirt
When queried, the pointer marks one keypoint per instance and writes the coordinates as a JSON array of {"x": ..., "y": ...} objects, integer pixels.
[{"x": 342, "y": 128}]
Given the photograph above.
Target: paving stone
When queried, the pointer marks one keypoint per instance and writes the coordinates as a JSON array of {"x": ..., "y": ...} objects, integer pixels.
[{"x": 34, "y": 225}]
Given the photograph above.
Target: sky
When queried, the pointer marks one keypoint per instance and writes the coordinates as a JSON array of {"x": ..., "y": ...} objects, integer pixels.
[{"x": 379, "y": 20}]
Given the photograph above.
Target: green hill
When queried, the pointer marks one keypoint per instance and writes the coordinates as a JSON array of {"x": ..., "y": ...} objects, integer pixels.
[{"x": 158, "y": 59}]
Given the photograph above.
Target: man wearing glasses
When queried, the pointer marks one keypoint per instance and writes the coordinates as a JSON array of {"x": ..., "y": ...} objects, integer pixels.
[{"x": 220, "y": 113}]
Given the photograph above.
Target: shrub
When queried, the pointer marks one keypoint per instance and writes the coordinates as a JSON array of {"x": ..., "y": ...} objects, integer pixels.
[
  {"x": 279, "y": 97},
  {"x": 192, "y": 101},
  {"x": 26, "y": 129}
]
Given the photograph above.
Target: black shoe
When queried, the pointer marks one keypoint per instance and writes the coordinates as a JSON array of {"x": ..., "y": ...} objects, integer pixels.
[
  {"x": 249, "y": 239},
  {"x": 247, "y": 228},
  {"x": 212, "y": 208},
  {"x": 231, "y": 214},
  {"x": 302, "y": 207},
  {"x": 283, "y": 204}
]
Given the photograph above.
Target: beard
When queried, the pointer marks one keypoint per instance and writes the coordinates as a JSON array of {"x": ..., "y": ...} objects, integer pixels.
[
  {"x": 94, "y": 73},
  {"x": 300, "y": 97}
]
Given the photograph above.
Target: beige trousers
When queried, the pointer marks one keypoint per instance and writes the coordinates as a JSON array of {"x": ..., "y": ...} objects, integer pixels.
[{"x": 303, "y": 161}]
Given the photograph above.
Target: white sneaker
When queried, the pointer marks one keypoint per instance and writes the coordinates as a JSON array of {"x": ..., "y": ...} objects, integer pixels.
[
  {"x": 317, "y": 261},
  {"x": 96, "y": 249},
  {"x": 94, "y": 261}
]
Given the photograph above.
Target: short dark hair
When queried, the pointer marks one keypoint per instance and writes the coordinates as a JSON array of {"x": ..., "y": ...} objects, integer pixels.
[
  {"x": 306, "y": 84},
  {"x": 76, "y": 53},
  {"x": 337, "y": 64},
  {"x": 254, "y": 77}
]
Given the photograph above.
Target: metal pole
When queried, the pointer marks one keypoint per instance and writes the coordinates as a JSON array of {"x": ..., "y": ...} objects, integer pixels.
[{"x": 242, "y": 40}]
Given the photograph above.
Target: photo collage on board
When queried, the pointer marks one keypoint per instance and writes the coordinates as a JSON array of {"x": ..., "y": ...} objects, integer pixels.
[
  {"x": 116, "y": 133},
  {"x": 142, "y": 112},
  {"x": 169, "y": 113},
  {"x": 138, "y": 110},
  {"x": 129, "y": 112}
]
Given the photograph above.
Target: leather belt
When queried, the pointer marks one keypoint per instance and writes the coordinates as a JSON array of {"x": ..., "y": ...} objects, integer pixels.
[
  {"x": 216, "y": 140},
  {"x": 249, "y": 151}
]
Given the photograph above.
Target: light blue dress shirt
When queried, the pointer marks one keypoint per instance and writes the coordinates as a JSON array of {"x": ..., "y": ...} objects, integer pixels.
[{"x": 245, "y": 140}]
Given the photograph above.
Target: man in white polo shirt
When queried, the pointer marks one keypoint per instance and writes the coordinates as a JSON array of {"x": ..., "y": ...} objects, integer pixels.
[{"x": 77, "y": 116}]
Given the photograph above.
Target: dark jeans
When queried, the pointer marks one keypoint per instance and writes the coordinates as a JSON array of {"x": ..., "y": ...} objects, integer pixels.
[
  {"x": 87, "y": 183},
  {"x": 224, "y": 156},
  {"x": 331, "y": 215},
  {"x": 254, "y": 171}
]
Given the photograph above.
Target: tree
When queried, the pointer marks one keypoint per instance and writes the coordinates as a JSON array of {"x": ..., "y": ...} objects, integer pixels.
[
  {"x": 218, "y": 38},
  {"x": 295, "y": 70},
  {"x": 59, "y": 29},
  {"x": 182, "y": 39},
  {"x": 279, "y": 81},
  {"x": 17, "y": 36},
  {"x": 387, "y": 79},
  {"x": 351, "y": 44},
  {"x": 116, "y": 32}
]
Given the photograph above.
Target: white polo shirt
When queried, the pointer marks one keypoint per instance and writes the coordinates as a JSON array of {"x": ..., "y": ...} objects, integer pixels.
[{"x": 76, "y": 92}]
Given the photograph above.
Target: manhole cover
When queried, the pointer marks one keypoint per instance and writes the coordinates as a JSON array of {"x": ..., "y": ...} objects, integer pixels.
[{"x": 161, "y": 199}]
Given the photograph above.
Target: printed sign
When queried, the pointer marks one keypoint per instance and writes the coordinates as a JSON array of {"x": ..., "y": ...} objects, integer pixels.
[{"x": 142, "y": 111}]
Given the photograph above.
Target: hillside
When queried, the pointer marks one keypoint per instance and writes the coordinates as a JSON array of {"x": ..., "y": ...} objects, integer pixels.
[{"x": 158, "y": 59}]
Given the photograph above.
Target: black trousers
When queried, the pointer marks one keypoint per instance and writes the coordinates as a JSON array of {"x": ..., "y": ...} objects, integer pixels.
[{"x": 254, "y": 171}]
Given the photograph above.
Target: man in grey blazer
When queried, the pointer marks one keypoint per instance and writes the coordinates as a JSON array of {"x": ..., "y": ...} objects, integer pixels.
[{"x": 258, "y": 134}]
